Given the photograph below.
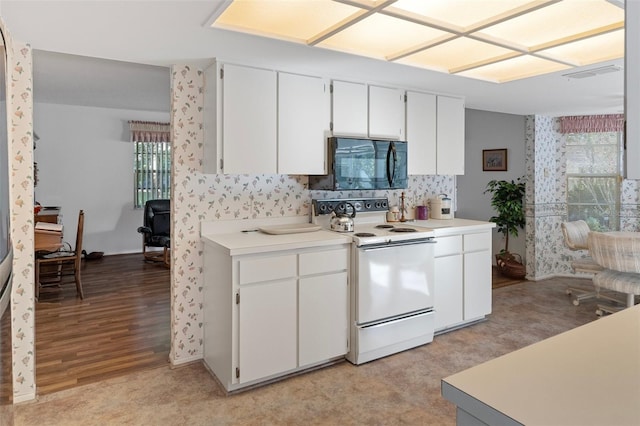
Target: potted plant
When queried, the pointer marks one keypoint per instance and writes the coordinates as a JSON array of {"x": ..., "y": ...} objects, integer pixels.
[{"x": 508, "y": 200}]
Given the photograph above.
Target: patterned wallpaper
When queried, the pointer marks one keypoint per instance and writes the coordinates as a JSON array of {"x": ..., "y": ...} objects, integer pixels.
[
  {"x": 20, "y": 115},
  {"x": 199, "y": 197},
  {"x": 546, "y": 206}
]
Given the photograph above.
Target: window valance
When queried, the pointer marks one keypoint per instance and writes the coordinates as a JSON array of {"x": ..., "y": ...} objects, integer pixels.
[
  {"x": 592, "y": 123},
  {"x": 150, "y": 131}
]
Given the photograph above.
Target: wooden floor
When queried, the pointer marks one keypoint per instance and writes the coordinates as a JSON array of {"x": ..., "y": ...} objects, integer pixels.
[
  {"x": 122, "y": 325},
  {"x": 498, "y": 280}
]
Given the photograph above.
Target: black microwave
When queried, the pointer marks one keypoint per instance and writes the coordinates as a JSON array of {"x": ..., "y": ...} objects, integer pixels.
[{"x": 366, "y": 164}]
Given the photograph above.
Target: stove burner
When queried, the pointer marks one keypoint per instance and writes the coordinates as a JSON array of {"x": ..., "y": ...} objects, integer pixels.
[
  {"x": 384, "y": 226},
  {"x": 402, "y": 230},
  {"x": 364, "y": 234}
]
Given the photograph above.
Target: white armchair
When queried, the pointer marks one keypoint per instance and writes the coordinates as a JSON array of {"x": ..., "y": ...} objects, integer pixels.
[
  {"x": 619, "y": 254},
  {"x": 575, "y": 235}
]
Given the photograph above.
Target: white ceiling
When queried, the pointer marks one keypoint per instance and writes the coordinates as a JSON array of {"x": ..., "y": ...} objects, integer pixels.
[{"x": 146, "y": 36}]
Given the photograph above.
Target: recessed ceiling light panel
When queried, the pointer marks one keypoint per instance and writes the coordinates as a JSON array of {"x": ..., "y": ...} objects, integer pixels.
[
  {"x": 557, "y": 22},
  {"x": 589, "y": 51},
  {"x": 366, "y": 37},
  {"x": 514, "y": 69},
  {"x": 458, "y": 54},
  {"x": 495, "y": 40},
  {"x": 463, "y": 14},
  {"x": 290, "y": 20}
]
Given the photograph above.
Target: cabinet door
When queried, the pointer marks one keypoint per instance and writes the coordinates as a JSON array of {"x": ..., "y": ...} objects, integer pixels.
[
  {"x": 323, "y": 317},
  {"x": 448, "y": 291},
  {"x": 249, "y": 120},
  {"x": 267, "y": 329},
  {"x": 450, "y": 136},
  {"x": 477, "y": 284},
  {"x": 349, "y": 108},
  {"x": 303, "y": 124},
  {"x": 386, "y": 113},
  {"x": 421, "y": 133}
]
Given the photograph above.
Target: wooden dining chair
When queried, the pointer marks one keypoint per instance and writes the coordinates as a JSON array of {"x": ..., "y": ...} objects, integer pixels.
[{"x": 63, "y": 262}]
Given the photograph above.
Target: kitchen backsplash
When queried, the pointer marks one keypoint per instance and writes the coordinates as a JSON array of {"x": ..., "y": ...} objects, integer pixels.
[{"x": 262, "y": 196}]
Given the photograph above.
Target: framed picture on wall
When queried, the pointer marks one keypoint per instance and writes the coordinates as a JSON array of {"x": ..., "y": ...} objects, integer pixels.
[{"x": 494, "y": 160}]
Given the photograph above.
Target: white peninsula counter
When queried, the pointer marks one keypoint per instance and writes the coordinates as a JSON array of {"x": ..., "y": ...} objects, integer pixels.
[{"x": 586, "y": 376}]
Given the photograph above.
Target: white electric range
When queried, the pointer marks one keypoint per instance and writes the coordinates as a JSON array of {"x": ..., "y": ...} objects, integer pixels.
[{"x": 391, "y": 278}]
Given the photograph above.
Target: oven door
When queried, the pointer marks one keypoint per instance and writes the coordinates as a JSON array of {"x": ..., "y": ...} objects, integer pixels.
[{"x": 393, "y": 280}]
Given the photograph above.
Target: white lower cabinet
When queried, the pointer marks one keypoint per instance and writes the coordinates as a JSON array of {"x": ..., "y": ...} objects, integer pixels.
[
  {"x": 271, "y": 314},
  {"x": 448, "y": 291},
  {"x": 477, "y": 285},
  {"x": 322, "y": 323},
  {"x": 267, "y": 329},
  {"x": 462, "y": 279}
]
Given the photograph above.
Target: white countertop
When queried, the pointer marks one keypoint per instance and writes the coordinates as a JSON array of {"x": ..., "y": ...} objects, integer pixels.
[
  {"x": 587, "y": 376},
  {"x": 442, "y": 227},
  {"x": 228, "y": 234},
  {"x": 238, "y": 243}
]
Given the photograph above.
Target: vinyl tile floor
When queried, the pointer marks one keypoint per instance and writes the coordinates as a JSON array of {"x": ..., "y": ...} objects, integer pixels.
[{"x": 402, "y": 389}]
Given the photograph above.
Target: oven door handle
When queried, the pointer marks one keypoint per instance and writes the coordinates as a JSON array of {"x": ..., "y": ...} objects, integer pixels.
[{"x": 389, "y": 244}]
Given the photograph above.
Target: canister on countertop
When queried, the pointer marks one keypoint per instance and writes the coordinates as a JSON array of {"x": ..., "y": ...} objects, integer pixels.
[
  {"x": 441, "y": 207},
  {"x": 422, "y": 212},
  {"x": 393, "y": 215}
]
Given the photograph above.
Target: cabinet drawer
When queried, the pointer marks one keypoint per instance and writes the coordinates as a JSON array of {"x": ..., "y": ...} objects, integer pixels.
[
  {"x": 475, "y": 242},
  {"x": 267, "y": 269},
  {"x": 324, "y": 261},
  {"x": 446, "y": 246}
]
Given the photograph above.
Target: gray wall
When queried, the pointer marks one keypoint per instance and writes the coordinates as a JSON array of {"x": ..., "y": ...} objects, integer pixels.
[
  {"x": 85, "y": 161},
  {"x": 490, "y": 130}
]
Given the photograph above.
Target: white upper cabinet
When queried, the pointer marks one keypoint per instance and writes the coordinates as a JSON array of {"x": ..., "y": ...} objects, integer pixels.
[
  {"x": 363, "y": 110},
  {"x": 435, "y": 134},
  {"x": 303, "y": 124},
  {"x": 421, "y": 133},
  {"x": 386, "y": 113},
  {"x": 240, "y": 120},
  {"x": 249, "y": 120},
  {"x": 349, "y": 108},
  {"x": 450, "y": 136},
  {"x": 260, "y": 121}
]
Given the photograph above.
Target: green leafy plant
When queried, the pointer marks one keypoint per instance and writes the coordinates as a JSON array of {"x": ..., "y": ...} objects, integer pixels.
[{"x": 508, "y": 200}]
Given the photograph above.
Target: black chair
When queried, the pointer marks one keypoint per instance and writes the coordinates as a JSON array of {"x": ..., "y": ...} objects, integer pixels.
[{"x": 156, "y": 231}]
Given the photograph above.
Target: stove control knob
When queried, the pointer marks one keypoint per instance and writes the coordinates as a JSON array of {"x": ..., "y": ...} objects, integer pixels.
[
  {"x": 357, "y": 205},
  {"x": 385, "y": 205},
  {"x": 367, "y": 205}
]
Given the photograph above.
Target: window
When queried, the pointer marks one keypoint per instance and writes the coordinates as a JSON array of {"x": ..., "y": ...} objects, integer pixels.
[
  {"x": 152, "y": 165},
  {"x": 593, "y": 178},
  {"x": 151, "y": 161}
]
